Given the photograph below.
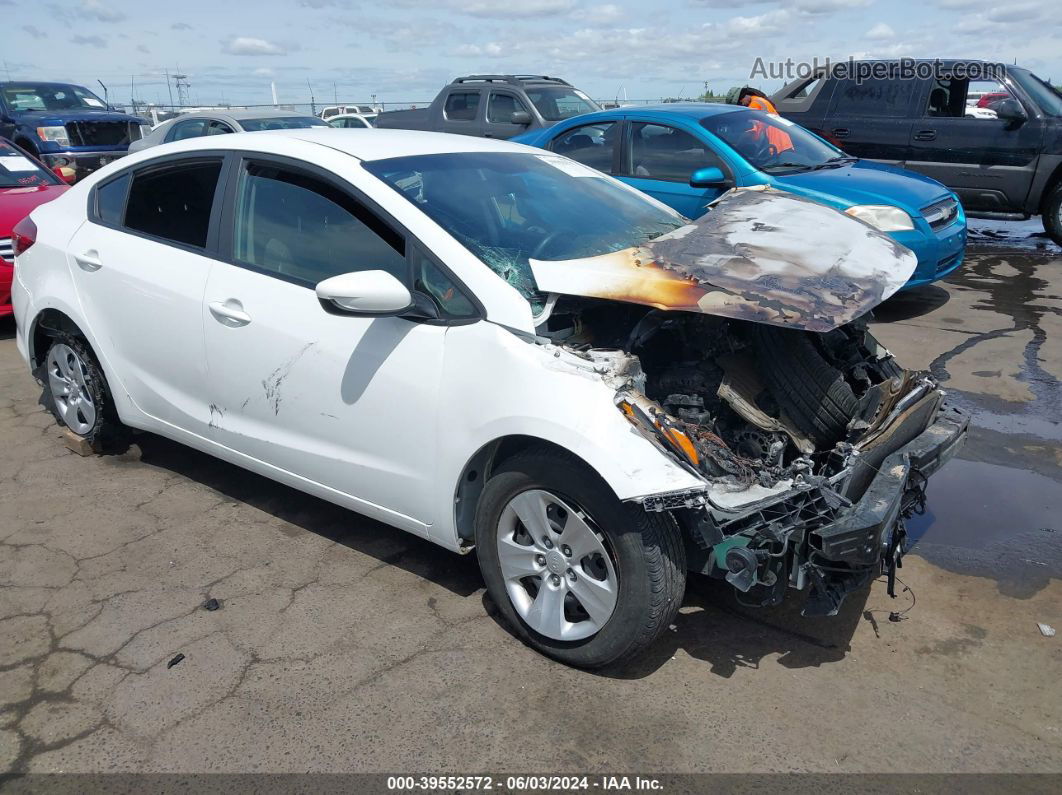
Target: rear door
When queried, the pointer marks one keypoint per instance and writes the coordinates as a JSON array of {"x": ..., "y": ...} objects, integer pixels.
[
  {"x": 990, "y": 163},
  {"x": 873, "y": 118},
  {"x": 659, "y": 159},
  {"x": 140, "y": 264},
  {"x": 463, "y": 111},
  {"x": 501, "y": 106}
]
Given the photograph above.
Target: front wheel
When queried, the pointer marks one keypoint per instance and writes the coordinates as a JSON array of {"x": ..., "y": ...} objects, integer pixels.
[
  {"x": 580, "y": 576},
  {"x": 1053, "y": 214}
]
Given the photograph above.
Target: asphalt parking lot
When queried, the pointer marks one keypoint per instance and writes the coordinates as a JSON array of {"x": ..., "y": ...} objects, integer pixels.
[{"x": 344, "y": 645}]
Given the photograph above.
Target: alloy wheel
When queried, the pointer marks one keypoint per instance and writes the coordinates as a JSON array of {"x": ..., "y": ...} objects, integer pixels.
[
  {"x": 557, "y": 568},
  {"x": 69, "y": 380}
]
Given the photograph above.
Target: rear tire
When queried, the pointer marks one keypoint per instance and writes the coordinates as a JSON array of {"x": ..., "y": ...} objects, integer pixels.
[
  {"x": 1052, "y": 216},
  {"x": 75, "y": 391},
  {"x": 811, "y": 391},
  {"x": 633, "y": 595}
]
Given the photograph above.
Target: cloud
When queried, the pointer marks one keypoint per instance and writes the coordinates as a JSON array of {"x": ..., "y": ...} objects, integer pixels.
[
  {"x": 323, "y": 3},
  {"x": 246, "y": 45},
  {"x": 763, "y": 25},
  {"x": 606, "y": 12},
  {"x": 94, "y": 9},
  {"x": 90, "y": 41},
  {"x": 822, "y": 7},
  {"x": 143, "y": 49},
  {"x": 180, "y": 26},
  {"x": 880, "y": 32},
  {"x": 36, "y": 33},
  {"x": 263, "y": 72},
  {"x": 491, "y": 49},
  {"x": 1015, "y": 13},
  {"x": 527, "y": 8}
]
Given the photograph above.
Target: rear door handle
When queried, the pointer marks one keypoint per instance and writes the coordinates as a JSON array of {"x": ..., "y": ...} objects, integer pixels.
[
  {"x": 925, "y": 135},
  {"x": 841, "y": 132},
  {"x": 89, "y": 261},
  {"x": 230, "y": 313}
]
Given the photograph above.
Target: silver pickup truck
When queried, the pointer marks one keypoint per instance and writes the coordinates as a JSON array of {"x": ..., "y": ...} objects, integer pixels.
[{"x": 494, "y": 106}]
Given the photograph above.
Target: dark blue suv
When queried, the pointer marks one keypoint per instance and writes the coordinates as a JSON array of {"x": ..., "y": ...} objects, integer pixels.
[{"x": 66, "y": 125}]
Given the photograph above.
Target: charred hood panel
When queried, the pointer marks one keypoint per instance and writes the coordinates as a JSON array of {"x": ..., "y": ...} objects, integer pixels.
[{"x": 759, "y": 255}]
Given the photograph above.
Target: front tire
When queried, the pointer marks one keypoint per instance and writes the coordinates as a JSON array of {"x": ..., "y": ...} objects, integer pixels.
[
  {"x": 578, "y": 575},
  {"x": 75, "y": 391},
  {"x": 1052, "y": 216}
]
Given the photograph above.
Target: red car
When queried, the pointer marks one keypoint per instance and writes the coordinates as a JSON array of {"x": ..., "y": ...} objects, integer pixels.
[{"x": 25, "y": 183}]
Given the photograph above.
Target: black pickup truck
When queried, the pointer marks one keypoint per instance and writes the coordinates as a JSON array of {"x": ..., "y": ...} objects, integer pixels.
[
  {"x": 990, "y": 132},
  {"x": 494, "y": 106}
]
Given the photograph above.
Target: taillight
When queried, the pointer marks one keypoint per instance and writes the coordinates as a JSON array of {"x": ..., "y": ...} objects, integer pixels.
[{"x": 23, "y": 235}]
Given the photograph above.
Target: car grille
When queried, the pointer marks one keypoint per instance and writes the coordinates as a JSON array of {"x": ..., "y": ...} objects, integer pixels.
[
  {"x": 940, "y": 214},
  {"x": 7, "y": 249},
  {"x": 100, "y": 133}
]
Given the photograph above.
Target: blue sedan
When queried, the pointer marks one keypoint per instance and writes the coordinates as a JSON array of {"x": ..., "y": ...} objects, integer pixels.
[{"x": 688, "y": 155}]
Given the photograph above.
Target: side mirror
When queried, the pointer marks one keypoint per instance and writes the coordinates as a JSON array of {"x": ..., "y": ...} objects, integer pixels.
[
  {"x": 1010, "y": 110},
  {"x": 520, "y": 117},
  {"x": 65, "y": 173},
  {"x": 366, "y": 293},
  {"x": 711, "y": 177}
]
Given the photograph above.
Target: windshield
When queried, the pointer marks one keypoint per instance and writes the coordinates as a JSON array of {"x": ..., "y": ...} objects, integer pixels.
[
  {"x": 19, "y": 171},
  {"x": 50, "y": 96},
  {"x": 1043, "y": 93},
  {"x": 773, "y": 144},
  {"x": 555, "y": 103},
  {"x": 281, "y": 123},
  {"x": 507, "y": 208}
]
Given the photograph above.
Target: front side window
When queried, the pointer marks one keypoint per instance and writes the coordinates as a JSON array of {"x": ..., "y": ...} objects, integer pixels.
[
  {"x": 304, "y": 229},
  {"x": 501, "y": 107},
  {"x": 508, "y": 207},
  {"x": 429, "y": 279},
  {"x": 462, "y": 106},
  {"x": 662, "y": 152},
  {"x": 1043, "y": 93},
  {"x": 556, "y": 103},
  {"x": 281, "y": 123},
  {"x": 173, "y": 202},
  {"x": 773, "y": 144},
  {"x": 591, "y": 144},
  {"x": 192, "y": 128}
]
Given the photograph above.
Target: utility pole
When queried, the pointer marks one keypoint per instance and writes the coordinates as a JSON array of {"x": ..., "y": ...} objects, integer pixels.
[
  {"x": 180, "y": 82},
  {"x": 335, "y": 93},
  {"x": 313, "y": 105},
  {"x": 169, "y": 88}
]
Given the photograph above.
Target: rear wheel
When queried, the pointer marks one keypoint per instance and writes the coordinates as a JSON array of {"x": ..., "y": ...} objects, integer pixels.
[
  {"x": 579, "y": 575},
  {"x": 76, "y": 392},
  {"x": 1053, "y": 214}
]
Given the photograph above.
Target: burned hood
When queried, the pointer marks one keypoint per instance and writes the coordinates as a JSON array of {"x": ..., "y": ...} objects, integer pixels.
[{"x": 758, "y": 254}]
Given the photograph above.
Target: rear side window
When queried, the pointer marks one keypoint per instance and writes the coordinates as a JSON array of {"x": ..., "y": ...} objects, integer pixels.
[
  {"x": 110, "y": 200},
  {"x": 591, "y": 144},
  {"x": 462, "y": 106},
  {"x": 879, "y": 98},
  {"x": 304, "y": 229},
  {"x": 174, "y": 202},
  {"x": 187, "y": 129}
]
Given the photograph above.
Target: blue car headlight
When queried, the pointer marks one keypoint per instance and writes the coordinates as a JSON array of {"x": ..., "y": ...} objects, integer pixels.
[{"x": 884, "y": 217}]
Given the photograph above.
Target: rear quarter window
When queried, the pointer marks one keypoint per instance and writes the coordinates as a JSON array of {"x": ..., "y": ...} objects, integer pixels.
[{"x": 110, "y": 200}]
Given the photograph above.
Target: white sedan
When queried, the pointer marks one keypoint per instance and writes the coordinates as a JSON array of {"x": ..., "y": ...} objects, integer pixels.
[{"x": 494, "y": 347}]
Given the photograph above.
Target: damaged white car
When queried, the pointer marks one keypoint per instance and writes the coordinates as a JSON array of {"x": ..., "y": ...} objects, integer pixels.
[{"x": 497, "y": 348}]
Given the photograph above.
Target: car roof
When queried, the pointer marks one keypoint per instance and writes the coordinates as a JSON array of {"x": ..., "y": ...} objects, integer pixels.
[
  {"x": 689, "y": 110},
  {"x": 383, "y": 144},
  {"x": 239, "y": 114}
]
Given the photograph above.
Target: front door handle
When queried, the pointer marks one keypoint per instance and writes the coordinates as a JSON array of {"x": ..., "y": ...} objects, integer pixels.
[
  {"x": 89, "y": 261},
  {"x": 230, "y": 313},
  {"x": 841, "y": 132},
  {"x": 925, "y": 135}
]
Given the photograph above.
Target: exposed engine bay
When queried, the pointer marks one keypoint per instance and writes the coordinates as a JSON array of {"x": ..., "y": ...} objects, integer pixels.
[{"x": 789, "y": 428}]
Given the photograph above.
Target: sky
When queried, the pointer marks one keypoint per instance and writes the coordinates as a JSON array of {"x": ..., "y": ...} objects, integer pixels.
[{"x": 403, "y": 51}]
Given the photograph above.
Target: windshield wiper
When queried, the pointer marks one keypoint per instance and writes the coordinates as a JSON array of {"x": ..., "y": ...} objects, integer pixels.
[{"x": 836, "y": 162}]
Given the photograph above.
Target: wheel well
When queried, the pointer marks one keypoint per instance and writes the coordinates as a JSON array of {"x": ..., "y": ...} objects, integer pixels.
[
  {"x": 45, "y": 326},
  {"x": 1052, "y": 182},
  {"x": 478, "y": 471}
]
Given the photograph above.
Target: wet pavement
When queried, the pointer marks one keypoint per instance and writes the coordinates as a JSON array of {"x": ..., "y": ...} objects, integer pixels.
[
  {"x": 992, "y": 335},
  {"x": 344, "y": 645}
]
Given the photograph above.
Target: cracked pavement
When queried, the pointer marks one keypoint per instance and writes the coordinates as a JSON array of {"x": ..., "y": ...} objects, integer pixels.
[{"x": 345, "y": 645}]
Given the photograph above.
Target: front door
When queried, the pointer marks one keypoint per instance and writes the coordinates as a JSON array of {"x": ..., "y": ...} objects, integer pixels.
[
  {"x": 342, "y": 401},
  {"x": 660, "y": 160},
  {"x": 500, "y": 109},
  {"x": 141, "y": 274},
  {"x": 990, "y": 163}
]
